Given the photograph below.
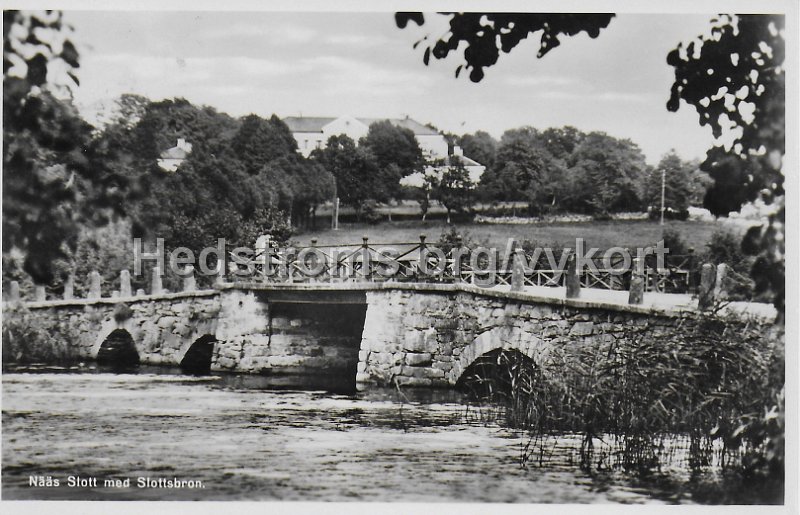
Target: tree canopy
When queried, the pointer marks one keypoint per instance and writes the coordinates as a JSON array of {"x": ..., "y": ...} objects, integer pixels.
[
  {"x": 52, "y": 183},
  {"x": 487, "y": 34},
  {"x": 734, "y": 78},
  {"x": 481, "y": 147}
]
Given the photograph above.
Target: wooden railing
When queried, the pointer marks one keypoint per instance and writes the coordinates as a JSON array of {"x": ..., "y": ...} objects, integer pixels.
[{"x": 422, "y": 262}]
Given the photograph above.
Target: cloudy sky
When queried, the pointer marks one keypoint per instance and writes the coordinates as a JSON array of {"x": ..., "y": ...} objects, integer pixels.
[{"x": 331, "y": 64}]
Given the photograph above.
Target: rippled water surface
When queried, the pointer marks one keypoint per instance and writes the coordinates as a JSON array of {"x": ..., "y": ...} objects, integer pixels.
[{"x": 241, "y": 441}]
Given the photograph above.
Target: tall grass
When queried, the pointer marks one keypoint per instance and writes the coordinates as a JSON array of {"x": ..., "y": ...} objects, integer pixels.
[{"x": 718, "y": 386}]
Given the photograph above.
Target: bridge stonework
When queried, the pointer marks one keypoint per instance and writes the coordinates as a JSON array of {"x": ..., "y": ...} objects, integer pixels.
[
  {"x": 162, "y": 327},
  {"x": 430, "y": 339},
  {"x": 378, "y": 333},
  {"x": 258, "y": 335}
]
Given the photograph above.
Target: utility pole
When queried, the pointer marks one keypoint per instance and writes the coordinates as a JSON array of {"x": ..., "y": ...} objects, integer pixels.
[
  {"x": 335, "y": 217},
  {"x": 663, "y": 187}
]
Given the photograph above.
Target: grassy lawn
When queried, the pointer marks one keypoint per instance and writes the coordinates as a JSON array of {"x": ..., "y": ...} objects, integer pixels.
[{"x": 595, "y": 234}]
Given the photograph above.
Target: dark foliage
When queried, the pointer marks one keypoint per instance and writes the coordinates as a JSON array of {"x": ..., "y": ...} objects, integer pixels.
[{"x": 487, "y": 34}]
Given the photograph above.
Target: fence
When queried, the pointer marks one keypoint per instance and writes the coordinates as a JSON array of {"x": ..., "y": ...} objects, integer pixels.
[{"x": 421, "y": 262}]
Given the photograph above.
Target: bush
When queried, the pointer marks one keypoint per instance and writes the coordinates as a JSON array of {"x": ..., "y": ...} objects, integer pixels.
[
  {"x": 370, "y": 214},
  {"x": 673, "y": 240},
  {"x": 452, "y": 238},
  {"x": 543, "y": 263},
  {"x": 25, "y": 340},
  {"x": 725, "y": 246}
]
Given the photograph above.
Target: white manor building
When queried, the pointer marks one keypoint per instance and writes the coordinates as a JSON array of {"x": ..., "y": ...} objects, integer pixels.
[{"x": 313, "y": 132}]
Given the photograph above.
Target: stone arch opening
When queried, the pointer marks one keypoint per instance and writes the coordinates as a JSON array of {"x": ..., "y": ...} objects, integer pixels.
[
  {"x": 498, "y": 375},
  {"x": 197, "y": 359},
  {"x": 118, "y": 350}
]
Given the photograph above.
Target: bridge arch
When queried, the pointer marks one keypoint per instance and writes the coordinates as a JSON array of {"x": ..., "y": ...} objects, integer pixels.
[
  {"x": 197, "y": 357},
  {"x": 118, "y": 350},
  {"x": 501, "y": 337}
]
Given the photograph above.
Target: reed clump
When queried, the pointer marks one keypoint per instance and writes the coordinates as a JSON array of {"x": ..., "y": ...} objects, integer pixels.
[{"x": 711, "y": 396}]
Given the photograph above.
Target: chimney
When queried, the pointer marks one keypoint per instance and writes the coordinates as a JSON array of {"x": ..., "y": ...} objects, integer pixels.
[{"x": 458, "y": 151}]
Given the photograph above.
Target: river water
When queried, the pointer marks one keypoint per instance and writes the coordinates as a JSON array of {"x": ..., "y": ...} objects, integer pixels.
[{"x": 241, "y": 438}]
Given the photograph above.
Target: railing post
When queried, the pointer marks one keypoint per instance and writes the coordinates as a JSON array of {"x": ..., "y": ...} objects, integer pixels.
[
  {"x": 573, "y": 279},
  {"x": 140, "y": 293},
  {"x": 690, "y": 264},
  {"x": 13, "y": 291},
  {"x": 290, "y": 266},
  {"x": 422, "y": 255},
  {"x": 155, "y": 286},
  {"x": 636, "y": 295},
  {"x": 69, "y": 287},
  {"x": 457, "y": 265},
  {"x": 366, "y": 262},
  {"x": 125, "y": 284},
  {"x": 39, "y": 293},
  {"x": 706, "y": 291},
  {"x": 719, "y": 286},
  {"x": 517, "y": 274},
  {"x": 94, "y": 285},
  {"x": 262, "y": 253},
  {"x": 189, "y": 282}
]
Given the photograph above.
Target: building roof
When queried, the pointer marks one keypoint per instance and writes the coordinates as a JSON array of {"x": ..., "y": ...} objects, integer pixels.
[
  {"x": 316, "y": 124},
  {"x": 407, "y": 123},
  {"x": 466, "y": 161},
  {"x": 306, "y": 123},
  {"x": 174, "y": 153}
]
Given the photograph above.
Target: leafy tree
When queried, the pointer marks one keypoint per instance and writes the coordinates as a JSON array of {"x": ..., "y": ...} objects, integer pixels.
[
  {"x": 455, "y": 190},
  {"x": 734, "y": 78},
  {"x": 51, "y": 184},
  {"x": 481, "y": 147},
  {"x": 486, "y": 34},
  {"x": 358, "y": 175},
  {"x": 608, "y": 175},
  {"x": 525, "y": 170},
  {"x": 396, "y": 152},
  {"x": 165, "y": 121},
  {"x": 294, "y": 184},
  {"x": 677, "y": 175},
  {"x": 561, "y": 142},
  {"x": 125, "y": 111},
  {"x": 258, "y": 141},
  {"x": 699, "y": 183}
]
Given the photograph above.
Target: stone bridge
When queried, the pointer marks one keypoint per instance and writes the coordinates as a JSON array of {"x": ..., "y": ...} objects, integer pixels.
[{"x": 413, "y": 334}]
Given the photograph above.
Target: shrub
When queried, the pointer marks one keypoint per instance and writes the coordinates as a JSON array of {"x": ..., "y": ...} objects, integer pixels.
[
  {"x": 25, "y": 340},
  {"x": 725, "y": 246},
  {"x": 370, "y": 214},
  {"x": 673, "y": 240}
]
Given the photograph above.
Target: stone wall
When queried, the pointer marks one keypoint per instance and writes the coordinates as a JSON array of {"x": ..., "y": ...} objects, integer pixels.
[
  {"x": 429, "y": 339},
  {"x": 163, "y": 327},
  {"x": 260, "y": 336},
  {"x": 409, "y": 334}
]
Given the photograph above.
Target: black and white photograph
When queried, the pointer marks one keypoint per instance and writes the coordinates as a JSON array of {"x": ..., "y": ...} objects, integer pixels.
[{"x": 467, "y": 256}]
